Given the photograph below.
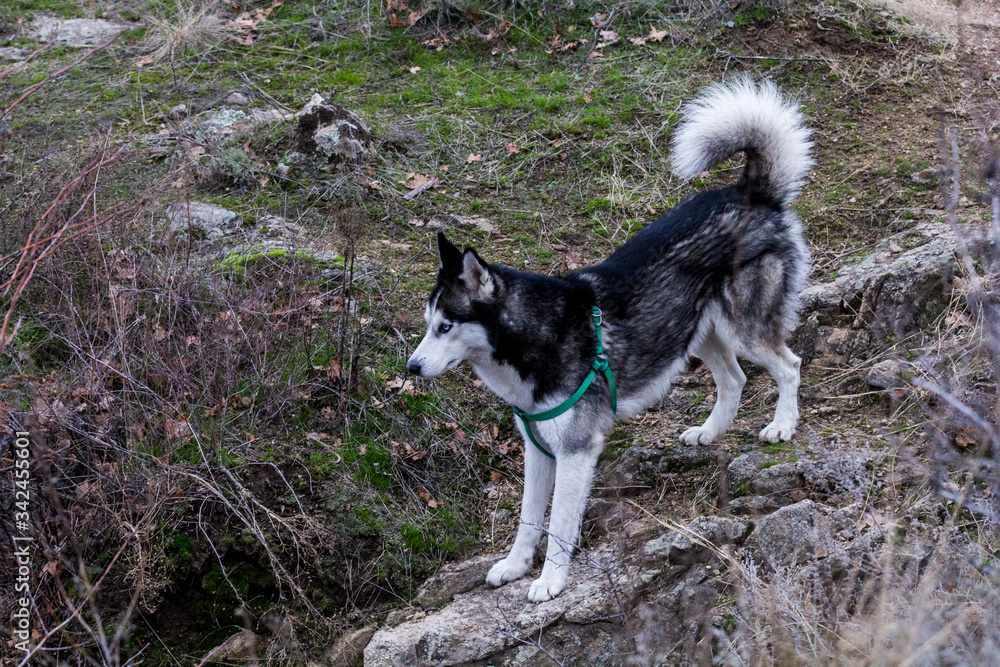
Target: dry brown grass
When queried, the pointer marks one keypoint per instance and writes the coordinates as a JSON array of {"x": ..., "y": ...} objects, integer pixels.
[{"x": 193, "y": 29}]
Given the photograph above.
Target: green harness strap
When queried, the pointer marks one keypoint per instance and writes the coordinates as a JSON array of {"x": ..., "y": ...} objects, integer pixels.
[{"x": 599, "y": 365}]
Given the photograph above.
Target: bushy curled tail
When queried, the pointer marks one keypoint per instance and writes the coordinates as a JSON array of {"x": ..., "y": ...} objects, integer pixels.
[{"x": 756, "y": 119}]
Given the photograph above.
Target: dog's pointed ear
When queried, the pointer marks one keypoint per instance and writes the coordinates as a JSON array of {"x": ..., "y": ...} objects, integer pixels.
[
  {"x": 448, "y": 254},
  {"x": 477, "y": 276}
]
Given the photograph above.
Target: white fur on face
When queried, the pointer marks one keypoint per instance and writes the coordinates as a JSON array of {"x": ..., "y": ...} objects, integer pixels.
[{"x": 442, "y": 350}]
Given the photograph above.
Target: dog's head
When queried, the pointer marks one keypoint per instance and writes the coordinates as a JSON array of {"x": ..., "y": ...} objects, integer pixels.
[{"x": 467, "y": 293}]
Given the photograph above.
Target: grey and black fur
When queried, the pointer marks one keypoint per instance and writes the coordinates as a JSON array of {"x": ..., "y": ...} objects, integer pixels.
[{"x": 717, "y": 277}]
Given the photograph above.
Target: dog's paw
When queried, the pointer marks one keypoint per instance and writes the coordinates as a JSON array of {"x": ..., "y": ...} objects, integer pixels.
[
  {"x": 778, "y": 431},
  {"x": 507, "y": 570},
  {"x": 698, "y": 434},
  {"x": 543, "y": 589}
]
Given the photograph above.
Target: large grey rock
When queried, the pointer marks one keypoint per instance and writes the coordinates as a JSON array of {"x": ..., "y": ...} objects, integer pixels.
[
  {"x": 838, "y": 474},
  {"x": 75, "y": 32},
  {"x": 640, "y": 466},
  {"x": 205, "y": 220},
  {"x": 221, "y": 124},
  {"x": 333, "y": 132},
  {"x": 793, "y": 535},
  {"x": 887, "y": 374},
  {"x": 455, "y": 578},
  {"x": 756, "y": 505},
  {"x": 582, "y": 626},
  {"x": 682, "y": 457},
  {"x": 604, "y": 515},
  {"x": 895, "y": 291},
  {"x": 13, "y": 53},
  {"x": 682, "y": 548},
  {"x": 178, "y": 112},
  {"x": 780, "y": 479},
  {"x": 743, "y": 467}
]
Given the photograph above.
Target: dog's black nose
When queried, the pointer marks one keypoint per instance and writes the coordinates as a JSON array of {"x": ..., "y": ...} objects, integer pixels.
[{"x": 413, "y": 367}]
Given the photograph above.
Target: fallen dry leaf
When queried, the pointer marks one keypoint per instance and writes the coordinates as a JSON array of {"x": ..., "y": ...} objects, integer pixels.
[
  {"x": 572, "y": 261},
  {"x": 495, "y": 477},
  {"x": 965, "y": 438},
  {"x": 414, "y": 181},
  {"x": 512, "y": 148},
  {"x": 413, "y": 70},
  {"x": 638, "y": 41},
  {"x": 598, "y": 19},
  {"x": 405, "y": 386},
  {"x": 426, "y": 497},
  {"x": 656, "y": 35},
  {"x": 609, "y": 36},
  {"x": 473, "y": 157}
]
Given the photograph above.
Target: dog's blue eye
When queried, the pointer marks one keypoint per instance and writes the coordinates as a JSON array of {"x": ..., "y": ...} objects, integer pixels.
[{"x": 444, "y": 328}]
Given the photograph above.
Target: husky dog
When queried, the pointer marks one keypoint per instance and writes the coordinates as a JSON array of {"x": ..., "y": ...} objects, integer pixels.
[{"x": 717, "y": 277}]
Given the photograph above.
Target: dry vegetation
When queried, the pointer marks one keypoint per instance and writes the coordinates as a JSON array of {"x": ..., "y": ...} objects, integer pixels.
[{"x": 222, "y": 437}]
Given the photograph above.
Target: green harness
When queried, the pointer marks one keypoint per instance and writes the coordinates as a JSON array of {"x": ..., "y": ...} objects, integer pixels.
[{"x": 599, "y": 365}]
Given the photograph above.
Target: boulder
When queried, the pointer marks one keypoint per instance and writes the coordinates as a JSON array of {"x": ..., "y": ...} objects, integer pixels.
[
  {"x": 838, "y": 474},
  {"x": 792, "y": 535},
  {"x": 178, "y": 112},
  {"x": 605, "y": 515},
  {"x": 13, "y": 53},
  {"x": 220, "y": 125},
  {"x": 333, "y": 132},
  {"x": 238, "y": 648},
  {"x": 682, "y": 457},
  {"x": 893, "y": 291},
  {"x": 756, "y": 505},
  {"x": 453, "y": 579},
  {"x": 743, "y": 467},
  {"x": 584, "y": 625},
  {"x": 75, "y": 32},
  {"x": 205, "y": 220},
  {"x": 780, "y": 479},
  {"x": 887, "y": 374}
]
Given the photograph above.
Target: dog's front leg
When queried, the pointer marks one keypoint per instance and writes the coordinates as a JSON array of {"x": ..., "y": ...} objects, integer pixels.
[
  {"x": 539, "y": 471},
  {"x": 574, "y": 474}
]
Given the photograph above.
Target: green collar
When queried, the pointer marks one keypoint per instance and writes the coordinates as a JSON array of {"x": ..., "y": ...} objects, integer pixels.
[{"x": 599, "y": 365}]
